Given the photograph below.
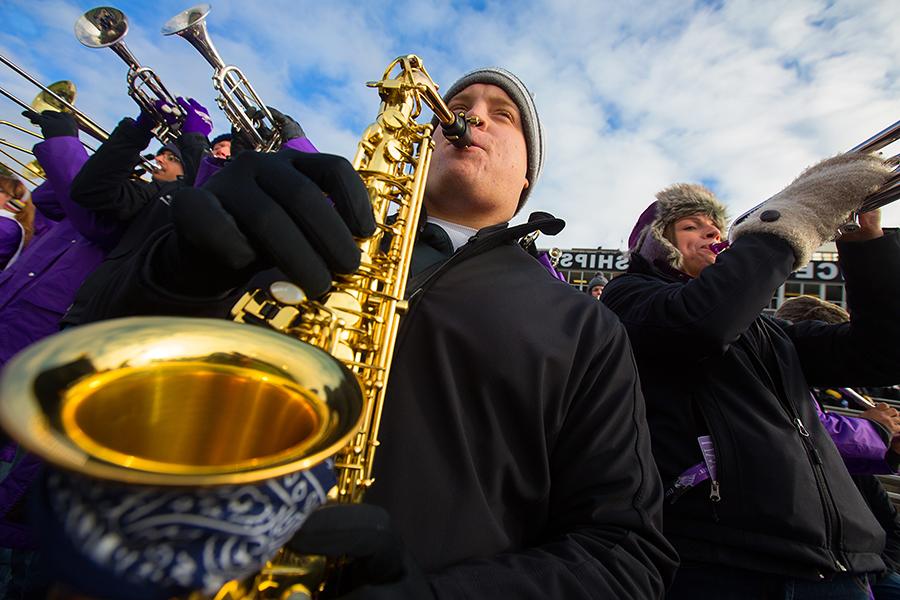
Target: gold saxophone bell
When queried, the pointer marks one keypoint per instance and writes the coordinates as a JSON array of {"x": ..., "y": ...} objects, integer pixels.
[{"x": 184, "y": 402}]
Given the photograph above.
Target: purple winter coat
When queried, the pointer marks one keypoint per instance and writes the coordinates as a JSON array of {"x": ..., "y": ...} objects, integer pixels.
[
  {"x": 38, "y": 288},
  {"x": 10, "y": 239},
  {"x": 859, "y": 442}
]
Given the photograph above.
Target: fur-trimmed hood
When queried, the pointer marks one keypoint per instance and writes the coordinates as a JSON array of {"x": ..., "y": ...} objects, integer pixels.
[{"x": 675, "y": 202}]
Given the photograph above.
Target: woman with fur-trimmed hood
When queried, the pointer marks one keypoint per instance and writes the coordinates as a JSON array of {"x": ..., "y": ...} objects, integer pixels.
[{"x": 759, "y": 504}]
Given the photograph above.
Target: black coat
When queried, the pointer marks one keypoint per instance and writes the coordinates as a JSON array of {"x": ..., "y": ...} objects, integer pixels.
[
  {"x": 710, "y": 364},
  {"x": 515, "y": 458},
  {"x": 105, "y": 186}
]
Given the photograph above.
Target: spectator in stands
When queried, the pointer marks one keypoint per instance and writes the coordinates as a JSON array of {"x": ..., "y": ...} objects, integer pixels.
[{"x": 596, "y": 285}]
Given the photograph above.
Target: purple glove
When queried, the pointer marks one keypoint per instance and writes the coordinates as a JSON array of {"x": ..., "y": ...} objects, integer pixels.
[
  {"x": 171, "y": 115},
  {"x": 197, "y": 119}
]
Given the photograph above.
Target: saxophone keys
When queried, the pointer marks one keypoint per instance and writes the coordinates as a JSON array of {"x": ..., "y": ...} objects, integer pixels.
[{"x": 288, "y": 293}]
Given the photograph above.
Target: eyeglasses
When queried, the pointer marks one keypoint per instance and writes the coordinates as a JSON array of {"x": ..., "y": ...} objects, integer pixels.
[{"x": 169, "y": 157}]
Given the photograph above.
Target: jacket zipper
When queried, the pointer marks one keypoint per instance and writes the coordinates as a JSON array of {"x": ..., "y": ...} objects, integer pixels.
[{"x": 715, "y": 493}]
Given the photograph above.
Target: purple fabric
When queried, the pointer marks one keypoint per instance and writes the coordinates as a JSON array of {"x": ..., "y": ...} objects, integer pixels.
[
  {"x": 10, "y": 238},
  {"x": 42, "y": 224},
  {"x": 210, "y": 165},
  {"x": 644, "y": 220},
  {"x": 44, "y": 199},
  {"x": 858, "y": 441},
  {"x": 544, "y": 259},
  {"x": 196, "y": 118},
  {"x": 13, "y": 487},
  {"x": 302, "y": 144},
  {"x": 38, "y": 288}
]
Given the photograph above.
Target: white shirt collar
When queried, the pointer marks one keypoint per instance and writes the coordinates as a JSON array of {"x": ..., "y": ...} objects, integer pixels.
[{"x": 458, "y": 234}]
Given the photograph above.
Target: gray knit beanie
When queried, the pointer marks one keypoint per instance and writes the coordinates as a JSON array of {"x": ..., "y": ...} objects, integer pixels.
[
  {"x": 531, "y": 124},
  {"x": 598, "y": 279},
  {"x": 675, "y": 202}
]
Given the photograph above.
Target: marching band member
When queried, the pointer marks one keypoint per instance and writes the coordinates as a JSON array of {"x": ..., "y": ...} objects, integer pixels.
[
  {"x": 220, "y": 146},
  {"x": 759, "y": 502},
  {"x": 515, "y": 459},
  {"x": 34, "y": 294},
  {"x": 16, "y": 219},
  {"x": 106, "y": 186}
]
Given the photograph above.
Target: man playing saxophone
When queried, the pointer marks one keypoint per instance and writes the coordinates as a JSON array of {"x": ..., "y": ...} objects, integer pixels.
[{"x": 515, "y": 459}]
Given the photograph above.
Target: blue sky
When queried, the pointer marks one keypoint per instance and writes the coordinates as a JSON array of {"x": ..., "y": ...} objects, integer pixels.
[{"x": 633, "y": 96}]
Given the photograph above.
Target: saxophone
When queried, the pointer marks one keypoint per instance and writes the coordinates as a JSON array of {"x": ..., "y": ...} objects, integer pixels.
[
  {"x": 206, "y": 408},
  {"x": 357, "y": 322}
]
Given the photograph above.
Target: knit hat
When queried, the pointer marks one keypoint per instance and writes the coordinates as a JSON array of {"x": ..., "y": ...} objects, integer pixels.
[
  {"x": 225, "y": 137},
  {"x": 531, "y": 124},
  {"x": 675, "y": 202},
  {"x": 598, "y": 279},
  {"x": 171, "y": 148}
]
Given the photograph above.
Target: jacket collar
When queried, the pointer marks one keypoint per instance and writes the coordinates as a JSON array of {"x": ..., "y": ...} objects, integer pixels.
[{"x": 659, "y": 269}]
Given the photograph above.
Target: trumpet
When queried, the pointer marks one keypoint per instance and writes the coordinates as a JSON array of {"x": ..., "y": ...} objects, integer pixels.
[
  {"x": 887, "y": 193},
  {"x": 106, "y": 27},
  {"x": 238, "y": 100}
]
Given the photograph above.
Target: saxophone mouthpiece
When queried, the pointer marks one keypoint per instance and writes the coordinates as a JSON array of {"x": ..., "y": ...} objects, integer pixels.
[{"x": 457, "y": 133}]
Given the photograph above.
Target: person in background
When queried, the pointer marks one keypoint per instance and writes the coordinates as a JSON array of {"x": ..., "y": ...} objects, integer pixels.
[
  {"x": 596, "y": 285},
  {"x": 106, "y": 187},
  {"x": 221, "y": 146},
  {"x": 16, "y": 219},
  {"x": 854, "y": 437},
  {"x": 34, "y": 294},
  {"x": 760, "y": 503}
]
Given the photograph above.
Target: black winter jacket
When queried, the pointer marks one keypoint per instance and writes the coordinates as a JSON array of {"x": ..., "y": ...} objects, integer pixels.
[
  {"x": 105, "y": 186},
  {"x": 710, "y": 364},
  {"x": 515, "y": 458}
]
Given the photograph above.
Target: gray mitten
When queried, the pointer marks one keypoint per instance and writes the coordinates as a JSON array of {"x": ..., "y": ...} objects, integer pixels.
[{"x": 809, "y": 211}]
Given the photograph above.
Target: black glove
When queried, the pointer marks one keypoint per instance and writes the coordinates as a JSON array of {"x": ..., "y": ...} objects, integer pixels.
[
  {"x": 380, "y": 567},
  {"x": 289, "y": 128},
  {"x": 53, "y": 123},
  {"x": 264, "y": 210}
]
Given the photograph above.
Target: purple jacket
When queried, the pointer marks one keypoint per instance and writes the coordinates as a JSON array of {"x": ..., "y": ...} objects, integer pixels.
[
  {"x": 38, "y": 288},
  {"x": 10, "y": 239},
  {"x": 859, "y": 442}
]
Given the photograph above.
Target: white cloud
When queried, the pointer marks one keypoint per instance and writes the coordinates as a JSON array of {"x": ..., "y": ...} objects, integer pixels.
[{"x": 633, "y": 96}]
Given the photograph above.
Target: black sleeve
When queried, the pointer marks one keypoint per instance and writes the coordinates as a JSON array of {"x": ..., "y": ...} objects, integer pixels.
[
  {"x": 703, "y": 316},
  {"x": 881, "y": 506},
  {"x": 104, "y": 184},
  {"x": 864, "y": 352},
  {"x": 130, "y": 290},
  {"x": 604, "y": 536},
  {"x": 193, "y": 146}
]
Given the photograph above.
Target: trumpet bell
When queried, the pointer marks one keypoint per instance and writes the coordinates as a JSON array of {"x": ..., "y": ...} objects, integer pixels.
[
  {"x": 179, "y": 402},
  {"x": 45, "y": 101},
  {"x": 186, "y": 19},
  {"x": 101, "y": 27}
]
